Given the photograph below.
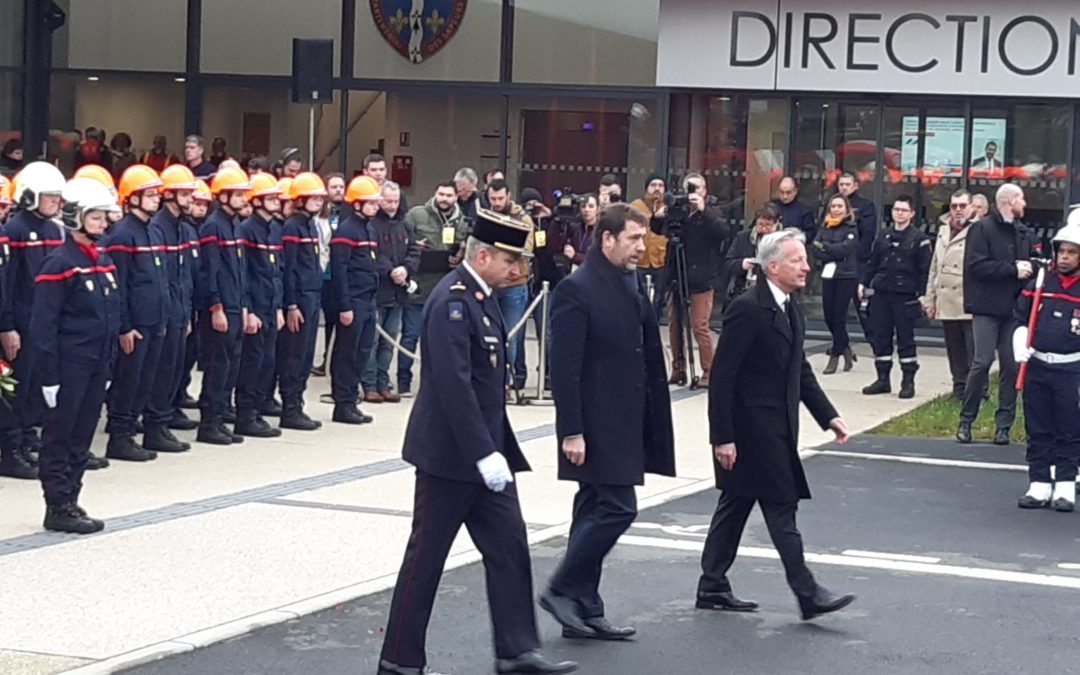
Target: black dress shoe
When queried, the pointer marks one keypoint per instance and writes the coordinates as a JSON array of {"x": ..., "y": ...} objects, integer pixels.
[
  {"x": 298, "y": 419},
  {"x": 564, "y": 610},
  {"x": 963, "y": 432},
  {"x": 533, "y": 662},
  {"x": 350, "y": 414},
  {"x": 725, "y": 601},
  {"x": 214, "y": 435},
  {"x": 600, "y": 629},
  {"x": 823, "y": 602},
  {"x": 1001, "y": 436},
  {"x": 388, "y": 668}
]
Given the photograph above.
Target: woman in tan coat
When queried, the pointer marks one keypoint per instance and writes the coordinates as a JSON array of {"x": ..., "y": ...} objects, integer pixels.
[{"x": 944, "y": 298}]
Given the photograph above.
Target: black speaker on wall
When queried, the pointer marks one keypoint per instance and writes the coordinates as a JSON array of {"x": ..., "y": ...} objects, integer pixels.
[{"x": 312, "y": 70}]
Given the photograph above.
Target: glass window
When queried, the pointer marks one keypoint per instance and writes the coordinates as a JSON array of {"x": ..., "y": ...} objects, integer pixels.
[
  {"x": 833, "y": 137},
  {"x": 140, "y": 107},
  {"x": 272, "y": 26},
  {"x": 11, "y": 102},
  {"x": 572, "y": 143},
  {"x": 11, "y": 32},
  {"x": 452, "y": 41},
  {"x": 598, "y": 43},
  {"x": 146, "y": 35},
  {"x": 1027, "y": 144}
]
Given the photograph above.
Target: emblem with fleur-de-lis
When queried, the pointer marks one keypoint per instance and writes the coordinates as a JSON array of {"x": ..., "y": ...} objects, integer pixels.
[
  {"x": 435, "y": 22},
  {"x": 399, "y": 21}
]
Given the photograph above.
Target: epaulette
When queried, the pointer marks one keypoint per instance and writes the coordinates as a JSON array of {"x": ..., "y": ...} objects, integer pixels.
[{"x": 458, "y": 287}]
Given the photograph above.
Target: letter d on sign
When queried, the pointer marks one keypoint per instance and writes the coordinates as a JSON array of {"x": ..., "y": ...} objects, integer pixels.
[{"x": 736, "y": 19}]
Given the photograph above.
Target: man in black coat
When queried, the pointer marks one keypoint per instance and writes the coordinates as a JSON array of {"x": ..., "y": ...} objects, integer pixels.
[
  {"x": 613, "y": 412},
  {"x": 760, "y": 376},
  {"x": 867, "y": 218},
  {"x": 465, "y": 453}
]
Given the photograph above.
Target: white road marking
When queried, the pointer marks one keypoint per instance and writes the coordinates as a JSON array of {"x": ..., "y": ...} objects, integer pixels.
[
  {"x": 980, "y": 573},
  {"x": 932, "y": 461},
  {"x": 892, "y": 556},
  {"x": 1069, "y": 566}
]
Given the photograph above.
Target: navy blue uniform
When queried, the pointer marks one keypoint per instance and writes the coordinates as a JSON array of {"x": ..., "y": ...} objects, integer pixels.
[
  {"x": 222, "y": 284},
  {"x": 265, "y": 270},
  {"x": 74, "y": 328},
  {"x": 137, "y": 250},
  {"x": 355, "y": 281},
  {"x": 459, "y": 418},
  {"x": 1052, "y": 389},
  {"x": 31, "y": 238},
  {"x": 170, "y": 229},
  {"x": 897, "y": 270},
  {"x": 189, "y": 276},
  {"x": 303, "y": 289}
]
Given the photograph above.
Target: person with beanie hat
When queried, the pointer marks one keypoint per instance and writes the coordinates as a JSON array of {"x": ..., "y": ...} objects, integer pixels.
[{"x": 653, "y": 263}]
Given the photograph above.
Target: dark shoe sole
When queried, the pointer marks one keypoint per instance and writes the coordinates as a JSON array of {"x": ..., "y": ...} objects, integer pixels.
[
  {"x": 844, "y": 602},
  {"x": 571, "y": 634},
  {"x": 721, "y": 607}
]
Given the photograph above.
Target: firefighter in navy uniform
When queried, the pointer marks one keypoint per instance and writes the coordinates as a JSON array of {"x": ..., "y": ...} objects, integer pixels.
[
  {"x": 896, "y": 271},
  {"x": 224, "y": 313},
  {"x": 32, "y": 233},
  {"x": 74, "y": 328},
  {"x": 1052, "y": 388},
  {"x": 201, "y": 199},
  {"x": 177, "y": 191},
  {"x": 137, "y": 251},
  {"x": 354, "y": 280},
  {"x": 465, "y": 453},
  {"x": 303, "y": 294},
  {"x": 261, "y": 234}
]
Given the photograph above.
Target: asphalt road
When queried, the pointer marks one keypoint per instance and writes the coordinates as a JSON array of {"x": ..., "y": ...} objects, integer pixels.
[{"x": 950, "y": 576}]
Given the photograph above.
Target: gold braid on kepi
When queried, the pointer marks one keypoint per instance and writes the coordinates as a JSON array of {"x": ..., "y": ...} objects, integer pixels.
[{"x": 502, "y": 231}]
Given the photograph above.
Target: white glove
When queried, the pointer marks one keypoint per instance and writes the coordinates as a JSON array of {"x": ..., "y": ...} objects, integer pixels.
[
  {"x": 495, "y": 471},
  {"x": 1021, "y": 351},
  {"x": 50, "y": 394}
]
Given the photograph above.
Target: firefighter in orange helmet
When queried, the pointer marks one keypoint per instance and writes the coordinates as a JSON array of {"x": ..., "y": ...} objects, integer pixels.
[{"x": 201, "y": 199}]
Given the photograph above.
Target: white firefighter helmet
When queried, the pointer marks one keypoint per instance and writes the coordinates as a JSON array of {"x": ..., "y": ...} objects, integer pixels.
[
  {"x": 1074, "y": 215},
  {"x": 36, "y": 179},
  {"x": 1070, "y": 232},
  {"x": 82, "y": 195}
]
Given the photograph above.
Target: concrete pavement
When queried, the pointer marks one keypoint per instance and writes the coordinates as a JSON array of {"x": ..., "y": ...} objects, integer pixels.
[{"x": 209, "y": 544}]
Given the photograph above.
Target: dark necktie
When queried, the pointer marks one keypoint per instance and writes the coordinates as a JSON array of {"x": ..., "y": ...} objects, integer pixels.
[{"x": 789, "y": 308}]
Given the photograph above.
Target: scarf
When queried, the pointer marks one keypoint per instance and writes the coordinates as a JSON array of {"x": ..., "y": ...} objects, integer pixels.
[{"x": 831, "y": 222}]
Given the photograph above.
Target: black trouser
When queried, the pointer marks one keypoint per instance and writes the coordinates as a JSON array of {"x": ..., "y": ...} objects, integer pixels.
[
  {"x": 991, "y": 333},
  {"x": 330, "y": 317},
  {"x": 27, "y": 405},
  {"x": 69, "y": 430},
  {"x": 889, "y": 313},
  {"x": 960, "y": 348},
  {"x": 602, "y": 513},
  {"x": 494, "y": 522},
  {"x": 221, "y": 364},
  {"x": 352, "y": 351},
  {"x": 133, "y": 378},
  {"x": 1051, "y": 402},
  {"x": 725, "y": 531},
  {"x": 162, "y": 406},
  {"x": 192, "y": 346},
  {"x": 257, "y": 367},
  {"x": 836, "y": 295},
  {"x": 297, "y": 352}
]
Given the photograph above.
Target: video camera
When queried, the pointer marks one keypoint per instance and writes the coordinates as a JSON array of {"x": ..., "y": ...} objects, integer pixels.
[
  {"x": 678, "y": 206},
  {"x": 567, "y": 204}
]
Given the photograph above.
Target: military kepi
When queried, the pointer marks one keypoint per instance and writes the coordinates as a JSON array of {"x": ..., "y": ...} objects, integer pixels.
[{"x": 501, "y": 231}]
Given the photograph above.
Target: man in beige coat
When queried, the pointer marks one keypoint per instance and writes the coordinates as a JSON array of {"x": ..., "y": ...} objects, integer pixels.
[{"x": 944, "y": 298}]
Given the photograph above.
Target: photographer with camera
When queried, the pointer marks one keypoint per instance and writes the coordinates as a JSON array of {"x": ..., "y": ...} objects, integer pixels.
[
  {"x": 610, "y": 191},
  {"x": 698, "y": 237}
]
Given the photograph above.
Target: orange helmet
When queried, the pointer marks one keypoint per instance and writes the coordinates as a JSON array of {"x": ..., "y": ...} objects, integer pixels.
[
  {"x": 202, "y": 191},
  {"x": 6, "y": 188},
  {"x": 177, "y": 177},
  {"x": 98, "y": 173},
  {"x": 363, "y": 189},
  {"x": 307, "y": 184},
  {"x": 230, "y": 178},
  {"x": 136, "y": 178},
  {"x": 264, "y": 185},
  {"x": 285, "y": 185}
]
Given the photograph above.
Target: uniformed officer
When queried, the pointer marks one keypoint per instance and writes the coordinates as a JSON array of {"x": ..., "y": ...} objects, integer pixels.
[
  {"x": 74, "y": 328},
  {"x": 355, "y": 281},
  {"x": 201, "y": 199},
  {"x": 32, "y": 233},
  {"x": 465, "y": 453},
  {"x": 1052, "y": 389},
  {"x": 223, "y": 304},
  {"x": 261, "y": 234},
  {"x": 137, "y": 251},
  {"x": 303, "y": 290},
  {"x": 897, "y": 269},
  {"x": 177, "y": 191}
]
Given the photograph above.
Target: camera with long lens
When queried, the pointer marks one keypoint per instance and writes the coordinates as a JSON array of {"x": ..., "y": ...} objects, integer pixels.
[
  {"x": 567, "y": 204},
  {"x": 677, "y": 203}
]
